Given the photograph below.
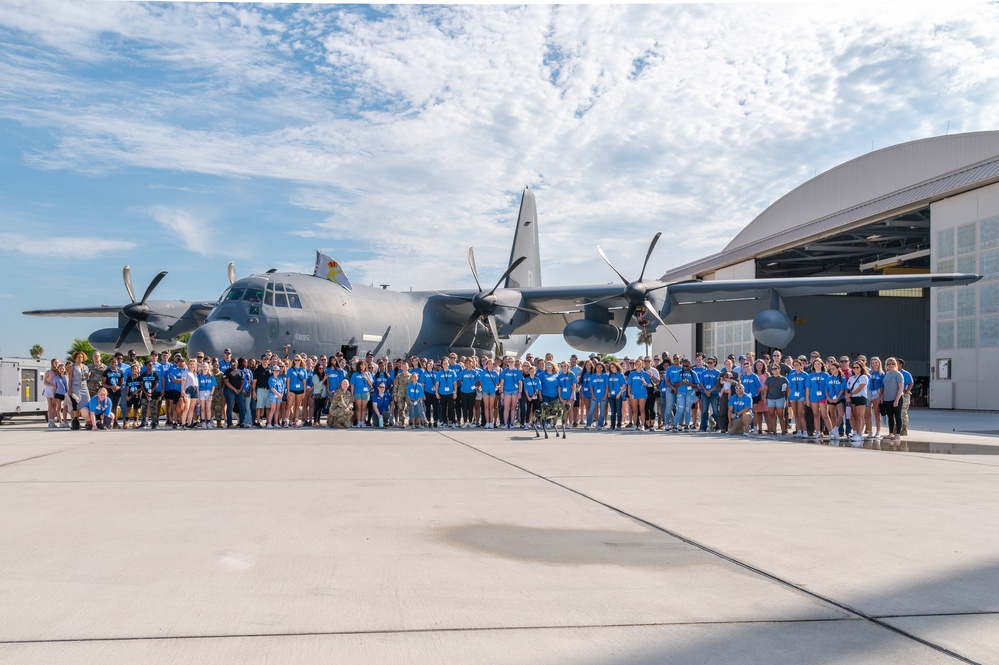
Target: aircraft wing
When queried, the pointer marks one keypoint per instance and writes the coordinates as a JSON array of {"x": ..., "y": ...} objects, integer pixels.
[
  {"x": 733, "y": 300},
  {"x": 103, "y": 310},
  {"x": 716, "y": 300}
]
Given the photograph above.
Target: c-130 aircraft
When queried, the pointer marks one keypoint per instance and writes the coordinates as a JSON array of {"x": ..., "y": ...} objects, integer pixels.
[{"x": 316, "y": 316}]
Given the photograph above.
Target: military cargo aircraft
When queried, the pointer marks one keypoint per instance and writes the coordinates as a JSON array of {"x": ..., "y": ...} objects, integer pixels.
[{"x": 314, "y": 315}]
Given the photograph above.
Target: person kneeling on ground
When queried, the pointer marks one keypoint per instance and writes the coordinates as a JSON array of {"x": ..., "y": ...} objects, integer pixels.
[
  {"x": 740, "y": 411},
  {"x": 98, "y": 412},
  {"x": 341, "y": 407}
]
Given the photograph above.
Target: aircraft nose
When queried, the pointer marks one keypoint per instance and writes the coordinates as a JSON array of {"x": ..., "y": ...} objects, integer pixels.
[{"x": 216, "y": 336}]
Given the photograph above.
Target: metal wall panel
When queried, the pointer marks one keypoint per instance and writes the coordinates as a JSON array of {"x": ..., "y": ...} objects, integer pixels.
[{"x": 882, "y": 326}]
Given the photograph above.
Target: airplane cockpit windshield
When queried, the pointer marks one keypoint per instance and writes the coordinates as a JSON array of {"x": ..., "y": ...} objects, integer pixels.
[{"x": 282, "y": 295}]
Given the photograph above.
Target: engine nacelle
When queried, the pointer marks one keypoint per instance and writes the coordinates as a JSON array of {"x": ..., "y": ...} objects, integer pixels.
[
  {"x": 103, "y": 340},
  {"x": 773, "y": 328},
  {"x": 587, "y": 335}
]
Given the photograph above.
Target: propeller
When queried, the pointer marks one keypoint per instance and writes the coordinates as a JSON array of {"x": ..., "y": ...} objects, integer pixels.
[
  {"x": 137, "y": 312},
  {"x": 485, "y": 303},
  {"x": 231, "y": 270},
  {"x": 637, "y": 292}
]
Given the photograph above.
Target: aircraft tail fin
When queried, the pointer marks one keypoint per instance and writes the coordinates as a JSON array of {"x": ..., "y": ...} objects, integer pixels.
[{"x": 525, "y": 243}]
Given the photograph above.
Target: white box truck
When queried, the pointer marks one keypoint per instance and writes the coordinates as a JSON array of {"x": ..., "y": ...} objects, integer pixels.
[{"x": 21, "y": 383}]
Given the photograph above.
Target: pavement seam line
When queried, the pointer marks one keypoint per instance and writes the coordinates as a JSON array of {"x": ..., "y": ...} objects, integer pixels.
[
  {"x": 726, "y": 557},
  {"x": 418, "y": 631},
  {"x": 54, "y": 452}
]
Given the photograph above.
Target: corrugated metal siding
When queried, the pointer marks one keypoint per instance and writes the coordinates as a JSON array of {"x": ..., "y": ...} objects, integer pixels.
[
  {"x": 872, "y": 326},
  {"x": 916, "y": 196}
]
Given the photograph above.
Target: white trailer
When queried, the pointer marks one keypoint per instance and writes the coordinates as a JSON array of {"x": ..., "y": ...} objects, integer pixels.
[{"x": 21, "y": 383}]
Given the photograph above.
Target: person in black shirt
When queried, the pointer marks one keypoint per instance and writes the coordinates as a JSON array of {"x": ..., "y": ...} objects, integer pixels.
[
  {"x": 114, "y": 381},
  {"x": 233, "y": 392},
  {"x": 260, "y": 376}
]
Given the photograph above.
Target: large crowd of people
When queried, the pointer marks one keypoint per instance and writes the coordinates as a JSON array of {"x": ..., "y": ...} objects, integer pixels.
[{"x": 852, "y": 398}]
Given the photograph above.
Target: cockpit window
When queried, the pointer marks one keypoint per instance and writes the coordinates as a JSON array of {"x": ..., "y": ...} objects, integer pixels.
[
  {"x": 225, "y": 295},
  {"x": 280, "y": 299},
  {"x": 279, "y": 287},
  {"x": 293, "y": 301},
  {"x": 235, "y": 294},
  {"x": 289, "y": 288},
  {"x": 269, "y": 298},
  {"x": 254, "y": 294}
]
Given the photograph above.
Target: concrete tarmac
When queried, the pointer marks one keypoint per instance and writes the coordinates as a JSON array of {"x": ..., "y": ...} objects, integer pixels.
[{"x": 471, "y": 546}]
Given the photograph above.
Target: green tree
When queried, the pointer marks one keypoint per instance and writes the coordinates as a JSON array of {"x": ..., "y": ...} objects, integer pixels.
[
  {"x": 80, "y": 345},
  {"x": 645, "y": 337},
  {"x": 36, "y": 351}
]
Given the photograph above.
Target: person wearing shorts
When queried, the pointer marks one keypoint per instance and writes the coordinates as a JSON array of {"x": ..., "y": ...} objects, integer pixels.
[{"x": 776, "y": 387}]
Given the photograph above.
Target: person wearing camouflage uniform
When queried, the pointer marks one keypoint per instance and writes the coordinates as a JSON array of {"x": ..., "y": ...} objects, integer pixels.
[
  {"x": 218, "y": 399},
  {"x": 341, "y": 407},
  {"x": 96, "y": 379},
  {"x": 399, "y": 386}
]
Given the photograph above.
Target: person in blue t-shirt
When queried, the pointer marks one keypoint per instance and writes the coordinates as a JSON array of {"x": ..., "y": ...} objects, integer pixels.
[
  {"x": 447, "y": 377},
  {"x": 468, "y": 377},
  {"x": 597, "y": 383},
  {"x": 98, "y": 412},
  {"x": 709, "y": 393},
  {"x": 429, "y": 380},
  {"x": 531, "y": 402},
  {"x": 490, "y": 386},
  {"x": 686, "y": 384},
  {"x": 416, "y": 396},
  {"x": 815, "y": 396},
  {"x": 617, "y": 389},
  {"x": 361, "y": 384},
  {"x": 876, "y": 382},
  {"x": 511, "y": 383},
  {"x": 835, "y": 398},
  {"x": 549, "y": 382},
  {"x": 796, "y": 380},
  {"x": 639, "y": 382},
  {"x": 276, "y": 388},
  {"x": 381, "y": 403},
  {"x": 206, "y": 386},
  {"x": 566, "y": 381},
  {"x": 740, "y": 410}
]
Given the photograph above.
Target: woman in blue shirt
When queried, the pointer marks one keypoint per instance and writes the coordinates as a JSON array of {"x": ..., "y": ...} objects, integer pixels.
[
  {"x": 429, "y": 381},
  {"x": 566, "y": 389},
  {"x": 686, "y": 383},
  {"x": 361, "y": 384},
  {"x": 532, "y": 397},
  {"x": 206, "y": 384},
  {"x": 815, "y": 396},
  {"x": 639, "y": 382},
  {"x": 297, "y": 377},
  {"x": 796, "y": 380},
  {"x": 490, "y": 379},
  {"x": 616, "y": 391},
  {"x": 549, "y": 382},
  {"x": 835, "y": 399},
  {"x": 596, "y": 383},
  {"x": 276, "y": 390},
  {"x": 468, "y": 376}
]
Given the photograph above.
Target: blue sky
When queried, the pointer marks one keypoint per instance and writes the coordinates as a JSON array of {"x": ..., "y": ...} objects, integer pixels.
[{"x": 179, "y": 137}]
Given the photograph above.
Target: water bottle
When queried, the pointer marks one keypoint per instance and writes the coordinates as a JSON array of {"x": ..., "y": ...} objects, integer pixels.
[{"x": 381, "y": 421}]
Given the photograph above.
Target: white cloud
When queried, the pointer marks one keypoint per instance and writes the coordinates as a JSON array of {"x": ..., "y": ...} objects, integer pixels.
[
  {"x": 74, "y": 247},
  {"x": 191, "y": 229},
  {"x": 413, "y": 128}
]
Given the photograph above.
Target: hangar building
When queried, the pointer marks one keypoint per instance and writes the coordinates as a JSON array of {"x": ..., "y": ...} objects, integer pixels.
[{"x": 926, "y": 206}]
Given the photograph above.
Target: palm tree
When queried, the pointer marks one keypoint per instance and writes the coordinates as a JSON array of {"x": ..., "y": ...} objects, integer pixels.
[
  {"x": 645, "y": 337},
  {"x": 36, "y": 351},
  {"x": 80, "y": 345}
]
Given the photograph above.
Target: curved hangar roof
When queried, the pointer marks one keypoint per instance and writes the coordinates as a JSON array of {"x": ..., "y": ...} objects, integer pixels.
[{"x": 872, "y": 186}]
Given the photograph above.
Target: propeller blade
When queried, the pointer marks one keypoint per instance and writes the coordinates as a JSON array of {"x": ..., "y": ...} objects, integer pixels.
[
  {"x": 627, "y": 319},
  {"x": 656, "y": 288},
  {"x": 146, "y": 340},
  {"x": 231, "y": 271},
  {"x": 600, "y": 300},
  {"x": 451, "y": 295},
  {"x": 461, "y": 331},
  {"x": 126, "y": 274},
  {"x": 510, "y": 269},
  {"x": 126, "y": 329},
  {"x": 152, "y": 285},
  {"x": 672, "y": 335},
  {"x": 607, "y": 261},
  {"x": 648, "y": 255},
  {"x": 494, "y": 327},
  {"x": 650, "y": 308},
  {"x": 471, "y": 264}
]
